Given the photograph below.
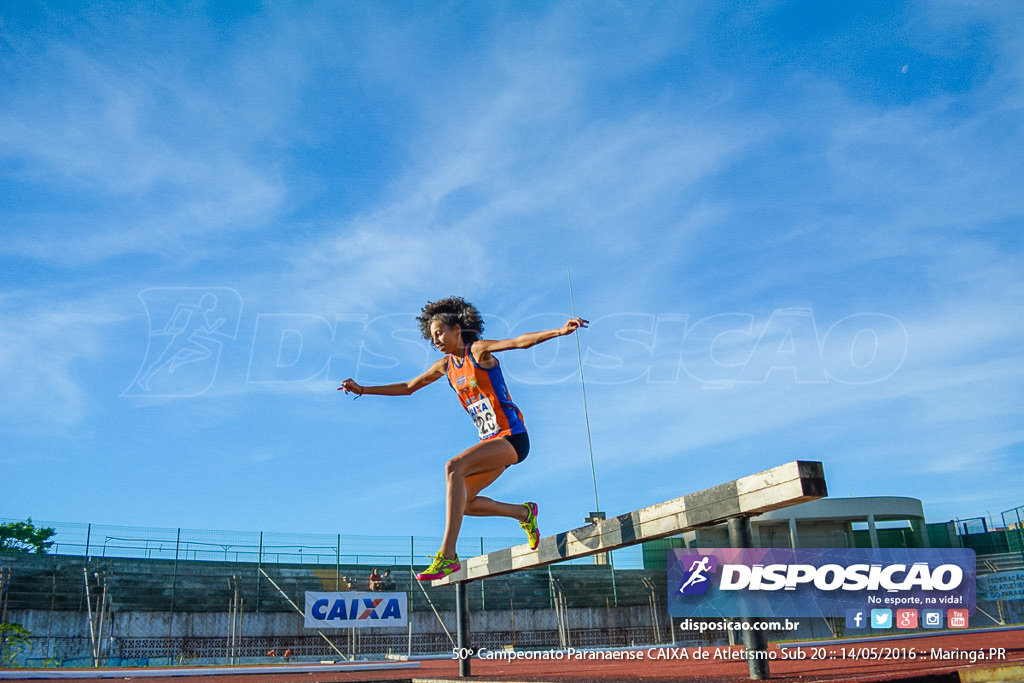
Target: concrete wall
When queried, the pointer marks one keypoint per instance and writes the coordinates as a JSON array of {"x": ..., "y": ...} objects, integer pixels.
[
  {"x": 153, "y": 638},
  {"x": 205, "y": 637},
  {"x": 278, "y": 624}
]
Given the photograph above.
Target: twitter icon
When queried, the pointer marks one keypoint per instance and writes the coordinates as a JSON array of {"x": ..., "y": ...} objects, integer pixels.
[{"x": 881, "y": 618}]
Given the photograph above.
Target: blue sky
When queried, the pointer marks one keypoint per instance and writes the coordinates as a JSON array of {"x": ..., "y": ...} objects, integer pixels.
[{"x": 795, "y": 227}]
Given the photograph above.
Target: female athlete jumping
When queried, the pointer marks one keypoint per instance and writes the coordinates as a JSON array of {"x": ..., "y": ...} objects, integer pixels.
[{"x": 454, "y": 326}]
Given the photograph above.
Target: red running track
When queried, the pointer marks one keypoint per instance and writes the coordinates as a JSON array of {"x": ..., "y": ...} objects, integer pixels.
[{"x": 997, "y": 656}]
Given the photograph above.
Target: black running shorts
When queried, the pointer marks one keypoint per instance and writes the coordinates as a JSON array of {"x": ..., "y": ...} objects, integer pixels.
[{"x": 520, "y": 442}]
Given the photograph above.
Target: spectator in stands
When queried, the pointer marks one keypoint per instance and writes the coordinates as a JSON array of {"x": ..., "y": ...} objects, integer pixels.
[
  {"x": 386, "y": 582},
  {"x": 375, "y": 580}
]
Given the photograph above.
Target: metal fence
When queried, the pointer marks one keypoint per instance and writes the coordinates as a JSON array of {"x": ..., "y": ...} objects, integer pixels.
[
  {"x": 116, "y": 595},
  {"x": 1013, "y": 522},
  {"x": 111, "y": 595},
  {"x": 151, "y": 543},
  {"x": 116, "y": 611}
]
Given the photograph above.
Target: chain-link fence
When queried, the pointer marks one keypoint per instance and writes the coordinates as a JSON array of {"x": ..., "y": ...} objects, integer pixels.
[
  {"x": 108, "y": 595},
  {"x": 103, "y": 541},
  {"x": 1013, "y": 522},
  {"x": 115, "y": 611}
]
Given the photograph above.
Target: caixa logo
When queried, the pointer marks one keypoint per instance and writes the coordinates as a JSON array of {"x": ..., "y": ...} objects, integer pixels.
[{"x": 355, "y": 610}]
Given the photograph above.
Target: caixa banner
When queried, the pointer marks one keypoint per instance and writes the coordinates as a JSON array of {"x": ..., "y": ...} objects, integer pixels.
[
  {"x": 823, "y": 582},
  {"x": 355, "y": 610}
]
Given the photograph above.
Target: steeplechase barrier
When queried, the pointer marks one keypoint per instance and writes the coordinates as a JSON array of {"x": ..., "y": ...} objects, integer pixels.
[{"x": 732, "y": 503}]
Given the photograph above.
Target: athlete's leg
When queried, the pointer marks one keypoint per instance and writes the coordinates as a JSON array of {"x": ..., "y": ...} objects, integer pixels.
[
  {"x": 481, "y": 506},
  {"x": 487, "y": 458}
]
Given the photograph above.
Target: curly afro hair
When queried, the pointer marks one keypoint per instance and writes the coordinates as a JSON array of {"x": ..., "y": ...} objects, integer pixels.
[{"x": 450, "y": 311}]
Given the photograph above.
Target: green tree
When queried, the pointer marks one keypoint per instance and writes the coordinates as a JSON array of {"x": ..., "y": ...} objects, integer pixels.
[
  {"x": 14, "y": 638},
  {"x": 24, "y": 537}
]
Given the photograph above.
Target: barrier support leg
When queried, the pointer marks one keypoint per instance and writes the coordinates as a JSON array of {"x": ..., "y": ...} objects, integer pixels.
[
  {"x": 462, "y": 628},
  {"x": 755, "y": 642}
]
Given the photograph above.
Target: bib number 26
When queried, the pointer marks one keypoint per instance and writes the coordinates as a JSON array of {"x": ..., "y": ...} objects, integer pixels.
[{"x": 484, "y": 418}]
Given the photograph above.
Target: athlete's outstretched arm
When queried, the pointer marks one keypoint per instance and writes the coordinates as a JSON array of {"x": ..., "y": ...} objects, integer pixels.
[
  {"x": 434, "y": 373},
  {"x": 525, "y": 341}
]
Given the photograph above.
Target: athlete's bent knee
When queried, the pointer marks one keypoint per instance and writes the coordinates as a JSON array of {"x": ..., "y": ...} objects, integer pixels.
[{"x": 453, "y": 468}]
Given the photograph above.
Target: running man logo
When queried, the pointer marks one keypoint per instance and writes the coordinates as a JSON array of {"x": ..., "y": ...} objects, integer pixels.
[
  {"x": 355, "y": 610},
  {"x": 188, "y": 328},
  {"x": 695, "y": 580}
]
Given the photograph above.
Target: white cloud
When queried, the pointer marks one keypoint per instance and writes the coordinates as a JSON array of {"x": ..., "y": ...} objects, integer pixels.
[
  {"x": 672, "y": 174},
  {"x": 152, "y": 161},
  {"x": 45, "y": 350}
]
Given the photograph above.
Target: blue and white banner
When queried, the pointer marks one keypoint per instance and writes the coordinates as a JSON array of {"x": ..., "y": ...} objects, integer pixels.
[
  {"x": 355, "y": 610},
  {"x": 825, "y": 582},
  {"x": 1001, "y": 586}
]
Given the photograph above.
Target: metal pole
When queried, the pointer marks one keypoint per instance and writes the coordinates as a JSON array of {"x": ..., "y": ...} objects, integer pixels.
[
  {"x": 103, "y": 618},
  {"x": 565, "y": 616},
  {"x": 238, "y": 637},
  {"x": 652, "y": 601},
  {"x": 301, "y": 612},
  {"x": 551, "y": 589},
  {"x": 558, "y": 621},
  {"x": 755, "y": 642},
  {"x": 1020, "y": 536},
  {"x": 53, "y": 603},
  {"x": 92, "y": 625},
  {"x": 412, "y": 572},
  {"x": 174, "y": 586},
  {"x": 233, "y": 610},
  {"x": 259, "y": 568},
  {"x": 437, "y": 614},
  {"x": 615, "y": 588},
  {"x": 462, "y": 628},
  {"x": 231, "y": 631},
  {"x": 409, "y": 649}
]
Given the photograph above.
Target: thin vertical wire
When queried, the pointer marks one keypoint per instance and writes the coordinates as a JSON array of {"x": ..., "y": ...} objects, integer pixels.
[{"x": 583, "y": 385}]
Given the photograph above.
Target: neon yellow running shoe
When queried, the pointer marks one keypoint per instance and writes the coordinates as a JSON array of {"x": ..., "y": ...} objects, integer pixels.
[
  {"x": 440, "y": 567},
  {"x": 530, "y": 525}
]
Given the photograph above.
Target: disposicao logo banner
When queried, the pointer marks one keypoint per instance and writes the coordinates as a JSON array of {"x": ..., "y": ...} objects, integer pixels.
[
  {"x": 355, "y": 610},
  {"x": 825, "y": 582}
]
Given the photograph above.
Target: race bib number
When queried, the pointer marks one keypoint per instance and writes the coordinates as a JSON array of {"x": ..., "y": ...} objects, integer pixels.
[{"x": 484, "y": 418}]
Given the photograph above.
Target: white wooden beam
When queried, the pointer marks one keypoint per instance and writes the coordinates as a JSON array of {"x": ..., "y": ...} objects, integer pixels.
[{"x": 795, "y": 482}]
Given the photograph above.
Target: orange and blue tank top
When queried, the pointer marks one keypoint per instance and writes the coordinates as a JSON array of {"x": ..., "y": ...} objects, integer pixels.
[{"x": 484, "y": 395}]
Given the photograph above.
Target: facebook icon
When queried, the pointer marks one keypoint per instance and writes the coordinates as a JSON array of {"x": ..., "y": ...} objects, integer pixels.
[{"x": 856, "y": 619}]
